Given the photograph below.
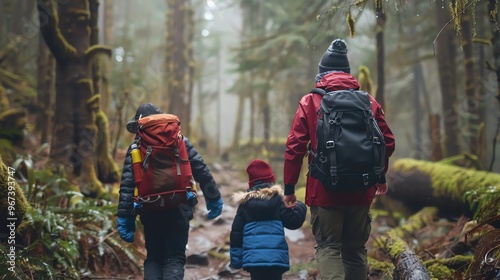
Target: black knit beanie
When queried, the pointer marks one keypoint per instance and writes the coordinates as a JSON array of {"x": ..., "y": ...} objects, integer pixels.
[{"x": 335, "y": 58}]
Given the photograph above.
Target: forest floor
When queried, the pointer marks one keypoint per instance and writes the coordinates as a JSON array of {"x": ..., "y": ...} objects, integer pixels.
[{"x": 208, "y": 246}]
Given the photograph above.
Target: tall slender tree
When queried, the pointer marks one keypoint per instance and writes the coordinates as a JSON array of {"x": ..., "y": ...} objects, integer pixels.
[
  {"x": 463, "y": 16},
  {"x": 445, "y": 54},
  {"x": 45, "y": 89},
  {"x": 179, "y": 60}
]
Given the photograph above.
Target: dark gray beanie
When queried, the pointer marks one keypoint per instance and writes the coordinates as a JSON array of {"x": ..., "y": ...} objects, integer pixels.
[{"x": 335, "y": 58}]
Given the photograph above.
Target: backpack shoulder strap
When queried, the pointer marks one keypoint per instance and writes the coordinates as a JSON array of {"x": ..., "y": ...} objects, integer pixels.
[{"x": 319, "y": 91}]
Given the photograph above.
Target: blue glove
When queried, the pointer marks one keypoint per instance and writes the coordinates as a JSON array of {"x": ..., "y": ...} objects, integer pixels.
[
  {"x": 126, "y": 228},
  {"x": 214, "y": 208}
]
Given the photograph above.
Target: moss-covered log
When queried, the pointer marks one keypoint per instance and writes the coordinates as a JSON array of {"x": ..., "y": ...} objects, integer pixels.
[
  {"x": 421, "y": 183},
  {"x": 378, "y": 267},
  {"x": 446, "y": 268},
  {"x": 407, "y": 264},
  {"x": 413, "y": 224}
]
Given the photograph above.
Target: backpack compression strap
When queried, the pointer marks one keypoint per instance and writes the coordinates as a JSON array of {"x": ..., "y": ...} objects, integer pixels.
[{"x": 319, "y": 91}]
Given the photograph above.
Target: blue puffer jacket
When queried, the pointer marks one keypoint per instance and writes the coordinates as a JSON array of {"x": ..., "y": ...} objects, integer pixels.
[{"x": 257, "y": 235}]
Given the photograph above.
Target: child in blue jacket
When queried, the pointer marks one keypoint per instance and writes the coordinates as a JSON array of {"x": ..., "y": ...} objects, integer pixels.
[{"x": 257, "y": 240}]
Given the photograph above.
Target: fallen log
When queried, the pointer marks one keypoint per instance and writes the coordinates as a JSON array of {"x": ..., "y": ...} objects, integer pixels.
[
  {"x": 419, "y": 183},
  {"x": 413, "y": 224},
  {"x": 407, "y": 264}
]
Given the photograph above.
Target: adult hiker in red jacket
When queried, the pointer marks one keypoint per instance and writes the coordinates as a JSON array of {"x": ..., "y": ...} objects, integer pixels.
[{"x": 341, "y": 222}]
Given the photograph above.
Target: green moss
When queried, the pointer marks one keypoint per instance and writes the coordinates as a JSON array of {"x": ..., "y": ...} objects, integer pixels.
[
  {"x": 376, "y": 265},
  {"x": 439, "y": 271},
  {"x": 394, "y": 245},
  {"x": 414, "y": 223},
  {"x": 96, "y": 49},
  {"x": 21, "y": 204},
  {"x": 448, "y": 180},
  {"x": 455, "y": 262}
]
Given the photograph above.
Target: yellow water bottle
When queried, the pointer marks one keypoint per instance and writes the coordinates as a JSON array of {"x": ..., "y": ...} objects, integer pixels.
[{"x": 137, "y": 165}]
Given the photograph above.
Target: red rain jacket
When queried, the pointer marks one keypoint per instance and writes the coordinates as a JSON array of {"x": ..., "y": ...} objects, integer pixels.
[{"x": 303, "y": 132}]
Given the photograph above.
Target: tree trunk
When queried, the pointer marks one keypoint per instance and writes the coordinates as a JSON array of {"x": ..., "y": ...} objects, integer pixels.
[
  {"x": 179, "y": 61},
  {"x": 495, "y": 41},
  {"x": 67, "y": 34},
  {"x": 107, "y": 169},
  {"x": 240, "y": 112},
  {"x": 45, "y": 90},
  {"x": 379, "y": 35},
  {"x": 436, "y": 137},
  {"x": 445, "y": 54},
  {"x": 108, "y": 41},
  {"x": 417, "y": 117},
  {"x": 472, "y": 101}
]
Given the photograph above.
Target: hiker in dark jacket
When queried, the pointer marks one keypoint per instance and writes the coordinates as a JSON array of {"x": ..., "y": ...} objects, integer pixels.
[
  {"x": 257, "y": 239},
  {"x": 165, "y": 231},
  {"x": 341, "y": 221}
]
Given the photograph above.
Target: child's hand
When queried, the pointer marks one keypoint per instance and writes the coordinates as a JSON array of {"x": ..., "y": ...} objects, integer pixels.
[
  {"x": 290, "y": 201},
  {"x": 381, "y": 189}
]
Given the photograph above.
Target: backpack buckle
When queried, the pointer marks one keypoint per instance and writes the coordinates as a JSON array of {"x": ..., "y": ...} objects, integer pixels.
[
  {"x": 330, "y": 144},
  {"x": 322, "y": 158},
  {"x": 366, "y": 178},
  {"x": 335, "y": 120},
  {"x": 335, "y": 179},
  {"x": 376, "y": 140}
]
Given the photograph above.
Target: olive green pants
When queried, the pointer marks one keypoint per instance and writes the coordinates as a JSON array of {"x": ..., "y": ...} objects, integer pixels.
[{"x": 341, "y": 233}]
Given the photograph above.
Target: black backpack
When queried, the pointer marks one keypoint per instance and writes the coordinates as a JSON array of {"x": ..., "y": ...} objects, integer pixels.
[{"x": 350, "y": 151}]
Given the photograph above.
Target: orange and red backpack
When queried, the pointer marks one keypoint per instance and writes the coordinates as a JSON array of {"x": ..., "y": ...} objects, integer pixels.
[{"x": 166, "y": 171}]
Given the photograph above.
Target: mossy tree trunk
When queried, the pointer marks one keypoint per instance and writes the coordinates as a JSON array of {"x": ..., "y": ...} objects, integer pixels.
[
  {"x": 12, "y": 123},
  {"x": 10, "y": 189},
  {"x": 67, "y": 32},
  {"x": 107, "y": 170},
  {"x": 445, "y": 54},
  {"x": 179, "y": 61}
]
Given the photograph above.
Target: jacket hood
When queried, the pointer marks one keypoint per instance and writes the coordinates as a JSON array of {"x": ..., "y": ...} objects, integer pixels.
[
  {"x": 263, "y": 193},
  {"x": 336, "y": 80}
]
